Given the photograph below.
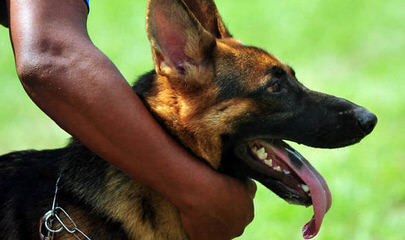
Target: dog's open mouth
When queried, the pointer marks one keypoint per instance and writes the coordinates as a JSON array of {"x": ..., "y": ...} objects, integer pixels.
[{"x": 288, "y": 174}]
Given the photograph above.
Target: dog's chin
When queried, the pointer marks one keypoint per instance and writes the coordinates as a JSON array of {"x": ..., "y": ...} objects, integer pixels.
[{"x": 288, "y": 174}]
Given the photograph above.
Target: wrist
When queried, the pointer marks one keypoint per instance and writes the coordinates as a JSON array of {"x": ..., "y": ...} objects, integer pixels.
[{"x": 188, "y": 184}]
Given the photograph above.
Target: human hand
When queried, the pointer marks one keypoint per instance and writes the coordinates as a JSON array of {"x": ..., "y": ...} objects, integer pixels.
[{"x": 221, "y": 212}]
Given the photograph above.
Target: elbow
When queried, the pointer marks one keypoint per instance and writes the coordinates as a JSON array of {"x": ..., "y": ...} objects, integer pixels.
[
  {"x": 33, "y": 73},
  {"x": 39, "y": 70},
  {"x": 45, "y": 61}
]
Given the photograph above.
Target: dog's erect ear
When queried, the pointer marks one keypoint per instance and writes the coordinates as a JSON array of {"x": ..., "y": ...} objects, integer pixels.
[
  {"x": 207, "y": 13},
  {"x": 177, "y": 38}
]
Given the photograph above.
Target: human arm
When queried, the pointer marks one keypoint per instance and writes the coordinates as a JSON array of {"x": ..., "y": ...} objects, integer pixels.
[{"x": 84, "y": 93}]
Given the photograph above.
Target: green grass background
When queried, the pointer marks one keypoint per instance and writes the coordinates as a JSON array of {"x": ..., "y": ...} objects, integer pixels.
[{"x": 353, "y": 49}]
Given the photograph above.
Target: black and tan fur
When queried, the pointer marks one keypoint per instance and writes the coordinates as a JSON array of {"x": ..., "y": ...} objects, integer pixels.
[{"x": 211, "y": 93}]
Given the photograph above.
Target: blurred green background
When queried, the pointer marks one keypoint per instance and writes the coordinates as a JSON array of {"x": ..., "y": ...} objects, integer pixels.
[{"x": 353, "y": 49}]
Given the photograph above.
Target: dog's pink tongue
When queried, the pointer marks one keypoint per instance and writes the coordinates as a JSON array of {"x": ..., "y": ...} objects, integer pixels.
[{"x": 320, "y": 194}]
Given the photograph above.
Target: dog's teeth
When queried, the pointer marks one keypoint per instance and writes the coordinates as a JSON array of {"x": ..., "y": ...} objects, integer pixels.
[
  {"x": 261, "y": 153},
  {"x": 277, "y": 168},
  {"x": 254, "y": 149},
  {"x": 261, "y": 150},
  {"x": 268, "y": 162},
  {"x": 305, "y": 188},
  {"x": 286, "y": 172}
]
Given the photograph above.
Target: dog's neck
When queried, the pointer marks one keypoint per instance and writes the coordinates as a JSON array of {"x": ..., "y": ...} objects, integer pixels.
[{"x": 191, "y": 126}]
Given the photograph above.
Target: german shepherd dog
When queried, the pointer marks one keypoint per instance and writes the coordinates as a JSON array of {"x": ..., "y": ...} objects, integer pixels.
[{"x": 229, "y": 104}]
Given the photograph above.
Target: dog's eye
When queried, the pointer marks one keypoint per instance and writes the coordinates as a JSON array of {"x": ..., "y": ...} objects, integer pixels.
[{"x": 274, "y": 88}]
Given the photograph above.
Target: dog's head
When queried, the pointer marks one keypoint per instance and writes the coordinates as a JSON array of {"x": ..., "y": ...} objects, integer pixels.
[{"x": 232, "y": 105}]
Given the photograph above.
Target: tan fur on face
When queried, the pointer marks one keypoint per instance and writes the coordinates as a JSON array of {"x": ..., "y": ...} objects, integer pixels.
[
  {"x": 188, "y": 103},
  {"x": 200, "y": 131},
  {"x": 189, "y": 108},
  {"x": 250, "y": 64}
]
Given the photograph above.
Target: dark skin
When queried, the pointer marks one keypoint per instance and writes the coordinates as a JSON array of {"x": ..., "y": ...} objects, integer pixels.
[{"x": 83, "y": 92}]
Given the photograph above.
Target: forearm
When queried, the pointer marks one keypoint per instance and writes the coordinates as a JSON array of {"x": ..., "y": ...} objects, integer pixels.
[{"x": 78, "y": 87}]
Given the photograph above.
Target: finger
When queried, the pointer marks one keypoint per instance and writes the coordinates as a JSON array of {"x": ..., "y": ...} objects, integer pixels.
[{"x": 251, "y": 188}]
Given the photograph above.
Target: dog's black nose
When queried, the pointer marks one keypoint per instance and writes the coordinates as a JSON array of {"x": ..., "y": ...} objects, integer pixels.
[{"x": 366, "y": 120}]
